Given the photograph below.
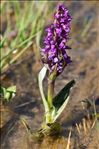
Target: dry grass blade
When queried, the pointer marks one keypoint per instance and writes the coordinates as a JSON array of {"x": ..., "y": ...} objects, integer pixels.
[
  {"x": 25, "y": 124},
  {"x": 68, "y": 142}
]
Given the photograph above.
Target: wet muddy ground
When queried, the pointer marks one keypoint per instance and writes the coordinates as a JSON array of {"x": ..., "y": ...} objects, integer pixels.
[{"x": 28, "y": 105}]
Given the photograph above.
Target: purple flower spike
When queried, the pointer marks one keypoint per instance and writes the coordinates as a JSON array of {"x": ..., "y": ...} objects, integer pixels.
[{"x": 54, "y": 52}]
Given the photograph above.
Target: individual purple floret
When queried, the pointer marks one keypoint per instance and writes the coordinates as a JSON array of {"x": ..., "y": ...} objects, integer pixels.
[{"x": 54, "y": 51}]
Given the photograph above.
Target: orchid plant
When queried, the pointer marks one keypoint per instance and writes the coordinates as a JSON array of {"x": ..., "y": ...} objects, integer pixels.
[{"x": 55, "y": 59}]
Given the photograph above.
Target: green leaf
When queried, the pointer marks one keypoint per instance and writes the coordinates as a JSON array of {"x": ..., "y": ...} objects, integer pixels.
[
  {"x": 41, "y": 77},
  {"x": 8, "y": 93},
  {"x": 62, "y": 95},
  {"x": 62, "y": 98},
  {"x": 12, "y": 89},
  {"x": 2, "y": 91}
]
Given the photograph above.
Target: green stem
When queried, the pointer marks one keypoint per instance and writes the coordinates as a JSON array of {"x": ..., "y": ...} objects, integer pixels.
[
  {"x": 48, "y": 117},
  {"x": 50, "y": 93},
  {"x": 51, "y": 84}
]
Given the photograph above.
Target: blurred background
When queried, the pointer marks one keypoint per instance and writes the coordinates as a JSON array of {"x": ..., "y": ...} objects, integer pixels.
[{"x": 22, "y": 27}]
